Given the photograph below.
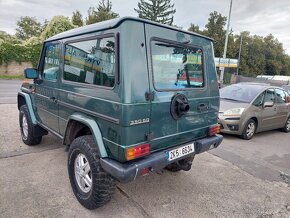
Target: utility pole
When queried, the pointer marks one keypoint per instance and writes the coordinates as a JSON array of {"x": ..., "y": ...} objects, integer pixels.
[
  {"x": 226, "y": 42},
  {"x": 240, "y": 50}
]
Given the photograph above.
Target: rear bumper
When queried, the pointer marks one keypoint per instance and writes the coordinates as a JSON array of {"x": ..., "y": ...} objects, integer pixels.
[{"x": 127, "y": 172}]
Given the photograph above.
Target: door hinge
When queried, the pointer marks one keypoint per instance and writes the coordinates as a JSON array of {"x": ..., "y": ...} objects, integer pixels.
[
  {"x": 149, "y": 96},
  {"x": 149, "y": 136}
]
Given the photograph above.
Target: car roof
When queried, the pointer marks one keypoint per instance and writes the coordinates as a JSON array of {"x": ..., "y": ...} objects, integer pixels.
[
  {"x": 261, "y": 85},
  {"x": 109, "y": 24}
]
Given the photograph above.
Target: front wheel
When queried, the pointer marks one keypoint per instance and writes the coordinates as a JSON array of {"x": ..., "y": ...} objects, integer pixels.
[
  {"x": 286, "y": 128},
  {"x": 27, "y": 128},
  {"x": 92, "y": 186},
  {"x": 249, "y": 130}
]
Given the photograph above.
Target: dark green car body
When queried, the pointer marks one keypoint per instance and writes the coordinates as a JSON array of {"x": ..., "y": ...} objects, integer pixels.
[{"x": 134, "y": 105}]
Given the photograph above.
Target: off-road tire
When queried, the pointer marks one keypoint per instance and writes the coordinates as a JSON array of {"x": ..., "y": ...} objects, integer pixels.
[
  {"x": 248, "y": 132},
  {"x": 28, "y": 138},
  {"x": 103, "y": 185},
  {"x": 286, "y": 127}
]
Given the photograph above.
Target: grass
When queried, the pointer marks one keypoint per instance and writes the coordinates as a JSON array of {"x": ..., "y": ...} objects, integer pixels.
[{"x": 11, "y": 77}]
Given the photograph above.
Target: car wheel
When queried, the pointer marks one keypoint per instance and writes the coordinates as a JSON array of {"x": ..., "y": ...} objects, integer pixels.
[
  {"x": 286, "y": 128},
  {"x": 27, "y": 128},
  {"x": 92, "y": 186},
  {"x": 249, "y": 130}
]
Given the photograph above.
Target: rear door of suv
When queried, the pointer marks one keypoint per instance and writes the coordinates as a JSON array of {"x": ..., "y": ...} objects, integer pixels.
[{"x": 183, "y": 105}]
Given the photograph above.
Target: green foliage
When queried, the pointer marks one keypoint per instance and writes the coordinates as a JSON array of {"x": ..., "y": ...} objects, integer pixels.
[
  {"x": 160, "y": 11},
  {"x": 102, "y": 13},
  {"x": 9, "y": 77},
  {"x": 28, "y": 27},
  {"x": 260, "y": 55},
  {"x": 58, "y": 24},
  {"x": 194, "y": 28},
  {"x": 19, "y": 53},
  {"x": 77, "y": 19},
  {"x": 215, "y": 29}
]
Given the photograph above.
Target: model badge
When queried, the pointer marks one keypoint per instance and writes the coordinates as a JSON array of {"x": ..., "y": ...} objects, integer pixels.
[{"x": 140, "y": 121}]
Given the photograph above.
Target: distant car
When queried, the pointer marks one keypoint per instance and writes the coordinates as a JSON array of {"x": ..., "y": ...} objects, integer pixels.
[
  {"x": 286, "y": 88},
  {"x": 248, "y": 108}
]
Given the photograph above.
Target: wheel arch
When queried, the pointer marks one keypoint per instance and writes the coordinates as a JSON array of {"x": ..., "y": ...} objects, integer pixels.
[
  {"x": 78, "y": 125},
  {"x": 257, "y": 123},
  {"x": 24, "y": 99}
]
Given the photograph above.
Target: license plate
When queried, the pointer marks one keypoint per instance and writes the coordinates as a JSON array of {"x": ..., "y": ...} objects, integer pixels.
[{"x": 180, "y": 152}]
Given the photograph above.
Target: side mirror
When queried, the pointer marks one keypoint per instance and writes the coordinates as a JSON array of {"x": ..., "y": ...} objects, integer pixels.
[
  {"x": 30, "y": 73},
  {"x": 288, "y": 99},
  {"x": 269, "y": 104}
]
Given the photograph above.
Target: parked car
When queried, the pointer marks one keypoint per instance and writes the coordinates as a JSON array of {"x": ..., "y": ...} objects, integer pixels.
[
  {"x": 128, "y": 97},
  {"x": 286, "y": 88},
  {"x": 248, "y": 108}
]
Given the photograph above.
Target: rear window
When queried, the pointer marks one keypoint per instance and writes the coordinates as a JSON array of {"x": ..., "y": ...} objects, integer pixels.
[{"x": 176, "y": 66}]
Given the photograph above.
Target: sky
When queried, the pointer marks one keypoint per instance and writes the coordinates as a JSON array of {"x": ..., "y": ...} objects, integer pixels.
[{"x": 260, "y": 17}]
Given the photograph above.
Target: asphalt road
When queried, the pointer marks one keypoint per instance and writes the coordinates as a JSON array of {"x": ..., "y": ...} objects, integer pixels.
[
  {"x": 8, "y": 91},
  {"x": 239, "y": 179}
]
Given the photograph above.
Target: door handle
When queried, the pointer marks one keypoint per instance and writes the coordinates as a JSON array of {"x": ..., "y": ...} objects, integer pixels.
[
  {"x": 53, "y": 99},
  {"x": 202, "y": 107}
]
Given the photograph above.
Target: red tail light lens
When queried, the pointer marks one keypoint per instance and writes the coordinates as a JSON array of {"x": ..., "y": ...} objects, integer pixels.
[
  {"x": 138, "y": 151},
  {"x": 215, "y": 129}
]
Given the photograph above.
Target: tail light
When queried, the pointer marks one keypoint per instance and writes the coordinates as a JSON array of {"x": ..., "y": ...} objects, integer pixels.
[
  {"x": 214, "y": 129},
  {"x": 138, "y": 151}
]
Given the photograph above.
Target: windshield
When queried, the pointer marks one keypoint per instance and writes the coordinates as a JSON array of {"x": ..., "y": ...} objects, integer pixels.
[
  {"x": 241, "y": 92},
  {"x": 286, "y": 88},
  {"x": 176, "y": 66}
]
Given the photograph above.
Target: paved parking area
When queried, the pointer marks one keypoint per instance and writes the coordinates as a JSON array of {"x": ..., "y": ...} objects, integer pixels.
[{"x": 34, "y": 183}]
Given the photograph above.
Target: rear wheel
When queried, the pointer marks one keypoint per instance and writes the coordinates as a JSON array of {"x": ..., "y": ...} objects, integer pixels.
[
  {"x": 286, "y": 128},
  {"x": 92, "y": 186},
  {"x": 27, "y": 128},
  {"x": 249, "y": 130}
]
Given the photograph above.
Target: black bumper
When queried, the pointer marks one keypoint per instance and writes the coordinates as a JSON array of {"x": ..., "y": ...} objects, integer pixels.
[{"x": 127, "y": 172}]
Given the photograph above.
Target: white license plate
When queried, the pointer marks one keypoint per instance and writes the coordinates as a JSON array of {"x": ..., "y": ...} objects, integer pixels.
[{"x": 180, "y": 152}]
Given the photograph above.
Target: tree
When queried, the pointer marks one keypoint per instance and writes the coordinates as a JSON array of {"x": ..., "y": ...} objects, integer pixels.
[
  {"x": 28, "y": 27},
  {"x": 102, "y": 13},
  {"x": 194, "y": 28},
  {"x": 215, "y": 29},
  {"x": 160, "y": 11},
  {"x": 77, "y": 18},
  {"x": 57, "y": 25}
]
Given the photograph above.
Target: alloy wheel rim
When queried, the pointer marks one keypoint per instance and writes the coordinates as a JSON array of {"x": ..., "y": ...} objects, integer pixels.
[
  {"x": 83, "y": 174},
  {"x": 250, "y": 129},
  {"x": 24, "y": 126},
  {"x": 288, "y": 124}
]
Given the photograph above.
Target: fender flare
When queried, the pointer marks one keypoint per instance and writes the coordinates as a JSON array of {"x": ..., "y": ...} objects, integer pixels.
[
  {"x": 28, "y": 103},
  {"x": 95, "y": 130}
]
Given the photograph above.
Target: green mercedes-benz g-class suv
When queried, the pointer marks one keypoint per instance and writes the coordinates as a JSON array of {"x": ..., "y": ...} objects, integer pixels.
[{"x": 127, "y": 96}]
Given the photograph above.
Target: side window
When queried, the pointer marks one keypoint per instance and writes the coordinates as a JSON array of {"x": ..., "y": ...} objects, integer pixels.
[
  {"x": 91, "y": 61},
  {"x": 259, "y": 100},
  {"x": 280, "y": 96},
  {"x": 270, "y": 96},
  {"x": 50, "y": 70}
]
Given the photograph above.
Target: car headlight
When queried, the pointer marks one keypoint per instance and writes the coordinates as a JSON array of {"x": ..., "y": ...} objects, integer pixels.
[{"x": 234, "y": 112}]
